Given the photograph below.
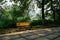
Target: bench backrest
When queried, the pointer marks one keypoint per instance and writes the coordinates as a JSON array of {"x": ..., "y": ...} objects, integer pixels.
[{"x": 22, "y": 24}]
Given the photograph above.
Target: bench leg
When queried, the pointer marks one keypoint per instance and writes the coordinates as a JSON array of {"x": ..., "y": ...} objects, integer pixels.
[{"x": 30, "y": 27}]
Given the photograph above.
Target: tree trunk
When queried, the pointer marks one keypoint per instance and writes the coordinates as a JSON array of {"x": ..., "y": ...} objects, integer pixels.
[{"x": 43, "y": 16}]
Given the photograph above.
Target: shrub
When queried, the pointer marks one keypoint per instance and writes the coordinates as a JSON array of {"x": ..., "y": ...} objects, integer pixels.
[
  {"x": 36, "y": 22},
  {"x": 7, "y": 24}
]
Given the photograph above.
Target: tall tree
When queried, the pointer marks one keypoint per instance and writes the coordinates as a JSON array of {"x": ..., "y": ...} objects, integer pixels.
[
  {"x": 19, "y": 11},
  {"x": 43, "y": 16}
]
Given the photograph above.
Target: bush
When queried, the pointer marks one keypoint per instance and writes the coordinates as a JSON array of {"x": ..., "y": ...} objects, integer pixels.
[
  {"x": 3, "y": 24},
  {"x": 47, "y": 22},
  {"x": 36, "y": 22},
  {"x": 7, "y": 24}
]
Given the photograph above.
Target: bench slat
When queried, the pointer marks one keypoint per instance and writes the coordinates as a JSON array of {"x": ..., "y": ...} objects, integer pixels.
[{"x": 21, "y": 24}]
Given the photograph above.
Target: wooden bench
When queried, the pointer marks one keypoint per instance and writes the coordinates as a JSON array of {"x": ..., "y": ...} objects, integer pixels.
[{"x": 22, "y": 24}]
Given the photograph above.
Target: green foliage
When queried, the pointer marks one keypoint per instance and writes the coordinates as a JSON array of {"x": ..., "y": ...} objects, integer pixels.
[
  {"x": 1, "y": 0},
  {"x": 10, "y": 16},
  {"x": 11, "y": 13},
  {"x": 49, "y": 22},
  {"x": 36, "y": 22},
  {"x": 3, "y": 24},
  {"x": 7, "y": 24}
]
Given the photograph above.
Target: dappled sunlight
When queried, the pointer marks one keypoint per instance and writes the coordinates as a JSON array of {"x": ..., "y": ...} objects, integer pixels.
[
  {"x": 29, "y": 34},
  {"x": 41, "y": 34},
  {"x": 47, "y": 30}
]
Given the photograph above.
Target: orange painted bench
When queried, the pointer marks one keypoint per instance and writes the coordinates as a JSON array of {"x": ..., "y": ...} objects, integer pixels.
[{"x": 22, "y": 24}]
